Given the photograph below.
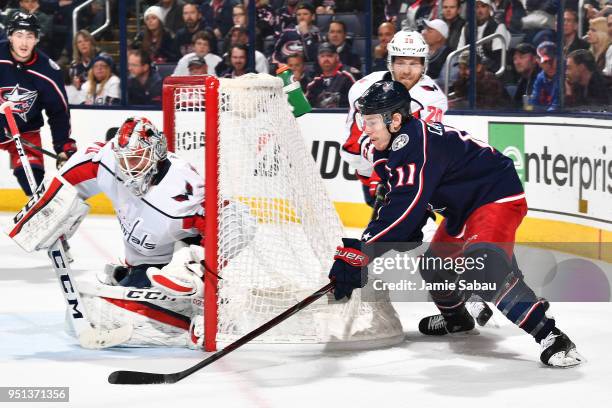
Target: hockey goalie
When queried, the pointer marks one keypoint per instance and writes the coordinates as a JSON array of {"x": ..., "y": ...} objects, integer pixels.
[{"x": 158, "y": 201}]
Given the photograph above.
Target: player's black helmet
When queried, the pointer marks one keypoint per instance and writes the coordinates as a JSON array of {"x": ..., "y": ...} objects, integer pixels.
[
  {"x": 23, "y": 21},
  {"x": 386, "y": 98}
]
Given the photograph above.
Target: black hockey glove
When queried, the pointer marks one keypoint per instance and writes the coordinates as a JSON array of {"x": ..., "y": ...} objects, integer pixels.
[
  {"x": 349, "y": 270},
  {"x": 68, "y": 150}
]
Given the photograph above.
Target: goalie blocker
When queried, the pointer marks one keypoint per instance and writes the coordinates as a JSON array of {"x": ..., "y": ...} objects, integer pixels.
[{"x": 52, "y": 212}]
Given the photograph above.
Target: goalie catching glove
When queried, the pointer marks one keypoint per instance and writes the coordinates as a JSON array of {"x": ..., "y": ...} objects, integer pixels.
[
  {"x": 349, "y": 270},
  {"x": 183, "y": 275}
]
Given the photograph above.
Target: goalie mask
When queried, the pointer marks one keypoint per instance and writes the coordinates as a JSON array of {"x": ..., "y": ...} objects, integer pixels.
[{"x": 138, "y": 148}]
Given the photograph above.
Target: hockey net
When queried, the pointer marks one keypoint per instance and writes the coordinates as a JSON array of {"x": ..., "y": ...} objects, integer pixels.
[{"x": 271, "y": 229}]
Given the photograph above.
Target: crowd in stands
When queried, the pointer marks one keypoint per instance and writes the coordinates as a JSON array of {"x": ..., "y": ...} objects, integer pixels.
[{"x": 322, "y": 42}]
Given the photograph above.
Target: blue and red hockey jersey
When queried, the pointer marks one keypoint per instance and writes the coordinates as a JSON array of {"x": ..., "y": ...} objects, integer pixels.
[
  {"x": 34, "y": 86},
  {"x": 433, "y": 166}
]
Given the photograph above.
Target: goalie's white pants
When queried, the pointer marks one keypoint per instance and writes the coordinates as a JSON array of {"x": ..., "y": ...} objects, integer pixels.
[{"x": 157, "y": 319}]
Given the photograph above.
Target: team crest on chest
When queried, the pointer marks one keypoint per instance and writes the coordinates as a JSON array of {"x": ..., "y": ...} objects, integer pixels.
[
  {"x": 399, "y": 142},
  {"x": 22, "y": 99}
]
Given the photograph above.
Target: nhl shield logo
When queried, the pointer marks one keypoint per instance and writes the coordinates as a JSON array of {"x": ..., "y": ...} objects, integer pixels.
[
  {"x": 22, "y": 98},
  {"x": 399, "y": 142}
]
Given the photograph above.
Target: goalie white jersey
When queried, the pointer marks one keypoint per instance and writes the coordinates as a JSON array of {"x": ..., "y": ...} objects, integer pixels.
[
  {"x": 428, "y": 103},
  {"x": 150, "y": 224}
]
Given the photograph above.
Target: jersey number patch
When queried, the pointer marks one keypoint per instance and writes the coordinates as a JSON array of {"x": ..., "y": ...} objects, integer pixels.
[{"x": 405, "y": 175}]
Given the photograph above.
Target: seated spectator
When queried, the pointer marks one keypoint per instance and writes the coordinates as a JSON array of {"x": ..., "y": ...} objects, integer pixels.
[
  {"x": 197, "y": 66},
  {"x": 172, "y": 14},
  {"x": 298, "y": 68},
  {"x": 450, "y": 14},
  {"x": 75, "y": 96},
  {"x": 510, "y": 14},
  {"x": 239, "y": 15},
  {"x": 545, "y": 93},
  {"x": 526, "y": 65},
  {"x": 144, "y": 85},
  {"x": 201, "y": 48},
  {"x": 155, "y": 39},
  {"x": 487, "y": 26},
  {"x": 304, "y": 37},
  {"x": 435, "y": 34},
  {"x": 218, "y": 15},
  {"x": 239, "y": 35},
  {"x": 418, "y": 12},
  {"x": 102, "y": 86},
  {"x": 193, "y": 22},
  {"x": 238, "y": 57},
  {"x": 84, "y": 50},
  {"x": 490, "y": 91},
  {"x": 44, "y": 20},
  {"x": 586, "y": 88},
  {"x": 265, "y": 17},
  {"x": 330, "y": 89},
  {"x": 337, "y": 36},
  {"x": 601, "y": 45},
  {"x": 286, "y": 17},
  {"x": 571, "y": 40},
  {"x": 386, "y": 31}
]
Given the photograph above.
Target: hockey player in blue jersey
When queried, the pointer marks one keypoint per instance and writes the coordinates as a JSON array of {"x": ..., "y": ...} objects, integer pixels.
[
  {"x": 34, "y": 83},
  {"x": 481, "y": 197}
]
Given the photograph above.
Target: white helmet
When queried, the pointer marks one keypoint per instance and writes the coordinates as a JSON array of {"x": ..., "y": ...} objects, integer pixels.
[
  {"x": 138, "y": 148},
  {"x": 407, "y": 44}
]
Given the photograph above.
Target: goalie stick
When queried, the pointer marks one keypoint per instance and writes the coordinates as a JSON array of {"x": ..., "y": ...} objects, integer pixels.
[
  {"x": 138, "y": 377},
  {"x": 88, "y": 336}
]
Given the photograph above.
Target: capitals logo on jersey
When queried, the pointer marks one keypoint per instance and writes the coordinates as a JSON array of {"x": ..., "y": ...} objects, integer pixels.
[{"x": 22, "y": 99}]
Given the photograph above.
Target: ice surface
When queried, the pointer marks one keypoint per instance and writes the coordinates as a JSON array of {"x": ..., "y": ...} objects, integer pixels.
[{"x": 499, "y": 367}]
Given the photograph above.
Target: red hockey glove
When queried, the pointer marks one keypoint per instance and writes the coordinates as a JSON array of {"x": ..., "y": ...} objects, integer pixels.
[{"x": 349, "y": 270}]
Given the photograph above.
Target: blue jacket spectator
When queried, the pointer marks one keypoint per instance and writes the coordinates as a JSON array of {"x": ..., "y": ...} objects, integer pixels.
[{"x": 545, "y": 93}]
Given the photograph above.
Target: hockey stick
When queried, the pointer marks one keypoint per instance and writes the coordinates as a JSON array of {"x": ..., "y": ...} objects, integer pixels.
[
  {"x": 138, "y": 377},
  {"x": 89, "y": 337},
  {"x": 40, "y": 149}
]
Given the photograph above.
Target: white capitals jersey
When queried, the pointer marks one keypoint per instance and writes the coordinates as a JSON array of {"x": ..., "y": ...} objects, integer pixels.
[
  {"x": 428, "y": 103},
  {"x": 152, "y": 223}
]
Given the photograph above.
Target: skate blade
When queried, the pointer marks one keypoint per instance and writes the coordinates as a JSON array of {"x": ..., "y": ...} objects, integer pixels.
[{"x": 468, "y": 333}]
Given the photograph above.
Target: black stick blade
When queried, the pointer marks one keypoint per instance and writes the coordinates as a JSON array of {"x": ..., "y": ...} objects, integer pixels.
[{"x": 136, "y": 377}]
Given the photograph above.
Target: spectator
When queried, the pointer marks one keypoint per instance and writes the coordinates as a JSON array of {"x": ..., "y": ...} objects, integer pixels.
[
  {"x": 193, "y": 22},
  {"x": 303, "y": 38},
  {"x": 585, "y": 87},
  {"x": 450, "y": 14},
  {"x": 510, "y": 14},
  {"x": 155, "y": 39},
  {"x": 84, "y": 50},
  {"x": 601, "y": 46},
  {"x": 144, "y": 86},
  {"x": 571, "y": 40},
  {"x": 545, "y": 93},
  {"x": 286, "y": 17},
  {"x": 526, "y": 65},
  {"x": 330, "y": 89},
  {"x": 238, "y": 55},
  {"x": 102, "y": 86},
  {"x": 44, "y": 20},
  {"x": 435, "y": 34},
  {"x": 418, "y": 12},
  {"x": 239, "y": 35},
  {"x": 486, "y": 26},
  {"x": 490, "y": 91},
  {"x": 197, "y": 66},
  {"x": 265, "y": 17},
  {"x": 298, "y": 68},
  {"x": 386, "y": 31},
  {"x": 337, "y": 36},
  {"x": 218, "y": 15},
  {"x": 239, "y": 15},
  {"x": 609, "y": 25},
  {"x": 172, "y": 14},
  {"x": 201, "y": 48}
]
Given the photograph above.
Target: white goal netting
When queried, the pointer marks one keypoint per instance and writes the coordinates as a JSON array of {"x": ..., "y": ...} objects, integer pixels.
[{"x": 277, "y": 226}]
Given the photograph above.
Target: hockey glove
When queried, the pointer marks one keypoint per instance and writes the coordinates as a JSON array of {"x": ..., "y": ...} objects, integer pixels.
[
  {"x": 68, "y": 150},
  {"x": 349, "y": 270}
]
